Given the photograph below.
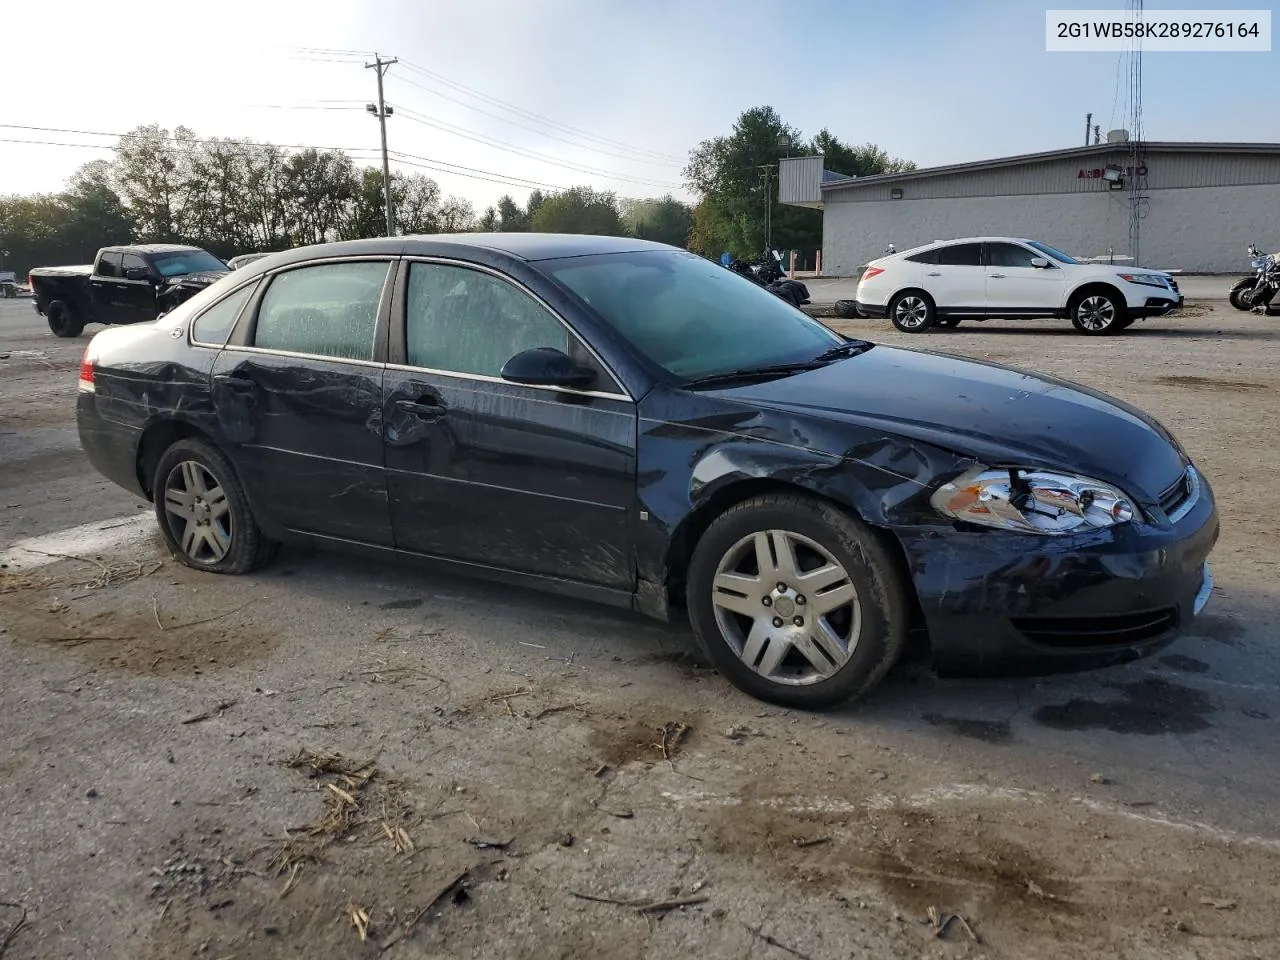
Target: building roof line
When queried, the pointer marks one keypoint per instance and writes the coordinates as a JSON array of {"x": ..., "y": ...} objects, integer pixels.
[{"x": 1101, "y": 149}]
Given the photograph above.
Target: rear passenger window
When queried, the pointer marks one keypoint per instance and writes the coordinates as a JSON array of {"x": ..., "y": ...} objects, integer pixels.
[
  {"x": 214, "y": 325},
  {"x": 109, "y": 265},
  {"x": 961, "y": 255},
  {"x": 329, "y": 310}
]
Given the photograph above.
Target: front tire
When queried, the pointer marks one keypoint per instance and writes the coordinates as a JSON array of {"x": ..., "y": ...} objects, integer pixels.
[
  {"x": 912, "y": 311},
  {"x": 203, "y": 512},
  {"x": 63, "y": 321},
  {"x": 1098, "y": 313},
  {"x": 1238, "y": 295},
  {"x": 796, "y": 602}
]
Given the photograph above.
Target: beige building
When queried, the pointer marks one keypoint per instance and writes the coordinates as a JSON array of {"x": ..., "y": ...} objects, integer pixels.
[{"x": 1201, "y": 204}]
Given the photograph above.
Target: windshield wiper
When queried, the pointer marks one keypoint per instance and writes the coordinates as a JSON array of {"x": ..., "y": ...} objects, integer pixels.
[
  {"x": 850, "y": 349},
  {"x": 753, "y": 373}
]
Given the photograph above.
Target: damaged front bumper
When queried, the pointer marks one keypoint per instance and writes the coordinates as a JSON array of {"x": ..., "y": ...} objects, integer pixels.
[{"x": 1005, "y": 603}]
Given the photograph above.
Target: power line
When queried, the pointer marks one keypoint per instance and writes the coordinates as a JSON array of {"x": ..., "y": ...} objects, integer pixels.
[
  {"x": 529, "y": 114},
  {"x": 541, "y": 133},
  {"x": 449, "y": 128}
]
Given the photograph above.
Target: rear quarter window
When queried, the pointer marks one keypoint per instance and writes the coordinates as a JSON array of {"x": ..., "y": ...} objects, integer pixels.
[{"x": 214, "y": 326}]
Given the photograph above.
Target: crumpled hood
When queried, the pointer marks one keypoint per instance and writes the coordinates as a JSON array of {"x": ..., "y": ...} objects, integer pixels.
[{"x": 990, "y": 412}]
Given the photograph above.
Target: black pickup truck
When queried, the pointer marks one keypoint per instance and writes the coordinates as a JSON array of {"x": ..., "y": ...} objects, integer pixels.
[{"x": 131, "y": 284}]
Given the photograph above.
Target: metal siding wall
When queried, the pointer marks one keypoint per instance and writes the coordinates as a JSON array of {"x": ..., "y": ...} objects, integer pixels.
[
  {"x": 799, "y": 180},
  {"x": 1203, "y": 230},
  {"x": 1167, "y": 170}
]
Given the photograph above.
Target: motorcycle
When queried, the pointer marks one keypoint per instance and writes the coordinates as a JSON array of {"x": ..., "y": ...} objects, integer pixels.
[
  {"x": 1258, "y": 292},
  {"x": 767, "y": 272}
]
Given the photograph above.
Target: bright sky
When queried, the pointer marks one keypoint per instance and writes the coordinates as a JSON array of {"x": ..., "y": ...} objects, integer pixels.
[{"x": 620, "y": 87}]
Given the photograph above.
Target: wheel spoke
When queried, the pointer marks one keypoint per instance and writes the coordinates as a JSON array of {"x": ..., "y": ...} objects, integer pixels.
[
  {"x": 764, "y": 557},
  {"x": 814, "y": 581},
  {"x": 825, "y": 639},
  {"x": 219, "y": 541},
  {"x": 774, "y": 654},
  {"x": 784, "y": 550},
  {"x": 190, "y": 538},
  {"x": 739, "y": 593},
  {"x": 219, "y": 505},
  {"x": 833, "y": 599},
  {"x": 191, "y": 478},
  {"x": 756, "y": 640}
]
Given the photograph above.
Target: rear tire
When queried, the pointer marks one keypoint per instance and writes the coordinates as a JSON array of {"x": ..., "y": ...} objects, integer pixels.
[
  {"x": 63, "y": 321},
  {"x": 912, "y": 311},
  {"x": 203, "y": 512},
  {"x": 796, "y": 602}
]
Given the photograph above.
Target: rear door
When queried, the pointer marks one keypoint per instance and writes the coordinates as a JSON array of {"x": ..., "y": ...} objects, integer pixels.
[
  {"x": 1016, "y": 288},
  {"x": 536, "y": 480},
  {"x": 298, "y": 394},
  {"x": 107, "y": 288},
  {"x": 956, "y": 279}
]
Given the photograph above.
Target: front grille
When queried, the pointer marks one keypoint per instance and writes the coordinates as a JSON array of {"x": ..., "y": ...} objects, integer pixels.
[
  {"x": 1097, "y": 631},
  {"x": 1177, "y": 494}
]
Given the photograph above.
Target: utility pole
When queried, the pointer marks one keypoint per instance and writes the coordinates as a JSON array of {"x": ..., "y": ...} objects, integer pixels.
[
  {"x": 382, "y": 111},
  {"x": 767, "y": 170},
  {"x": 1088, "y": 127}
]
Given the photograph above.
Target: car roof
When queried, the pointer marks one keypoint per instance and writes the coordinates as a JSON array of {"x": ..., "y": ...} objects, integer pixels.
[
  {"x": 522, "y": 246},
  {"x": 153, "y": 248}
]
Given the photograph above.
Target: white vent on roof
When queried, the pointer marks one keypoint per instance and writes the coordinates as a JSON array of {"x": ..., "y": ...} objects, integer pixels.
[{"x": 1117, "y": 136}]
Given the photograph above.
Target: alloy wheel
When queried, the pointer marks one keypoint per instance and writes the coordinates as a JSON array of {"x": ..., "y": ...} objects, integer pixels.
[
  {"x": 198, "y": 512},
  {"x": 786, "y": 607},
  {"x": 911, "y": 312},
  {"x": 1096, "y": 313}
]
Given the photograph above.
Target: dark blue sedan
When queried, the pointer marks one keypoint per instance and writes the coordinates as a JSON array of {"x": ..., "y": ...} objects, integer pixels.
[{"x": 631, "y": 423}]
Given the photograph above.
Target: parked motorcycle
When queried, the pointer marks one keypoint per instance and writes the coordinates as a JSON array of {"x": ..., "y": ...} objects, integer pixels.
[
  {"x": 1258, "y": 293},
  {"x": 766, "y": 271}
]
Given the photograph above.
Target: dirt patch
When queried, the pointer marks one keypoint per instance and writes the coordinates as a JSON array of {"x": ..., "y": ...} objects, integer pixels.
[
  {"x": 988, "y": 731},
  {"x": 1185, "y": 664},
  {"x": 1206, "y": 383},
  {"x": 639, "y": 741},
  {"x": 133, "y": 643},
  {"x": 1151, "y": 706}
]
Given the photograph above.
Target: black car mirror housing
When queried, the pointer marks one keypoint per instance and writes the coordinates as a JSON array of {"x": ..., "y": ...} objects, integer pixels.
[{"x": 547, "y": 367}]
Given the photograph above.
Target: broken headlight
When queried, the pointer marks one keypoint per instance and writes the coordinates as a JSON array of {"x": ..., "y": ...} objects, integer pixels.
[{"x": 1032, "y": 501}]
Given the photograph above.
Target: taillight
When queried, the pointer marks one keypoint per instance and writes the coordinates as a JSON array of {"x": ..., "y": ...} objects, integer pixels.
[
  {"x": 871, "y": 272},
  {"x": 86, "y": 372}
]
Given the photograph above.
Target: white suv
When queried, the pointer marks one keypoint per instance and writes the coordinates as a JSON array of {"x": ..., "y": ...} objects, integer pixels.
[{"x": 981, "y": 277}]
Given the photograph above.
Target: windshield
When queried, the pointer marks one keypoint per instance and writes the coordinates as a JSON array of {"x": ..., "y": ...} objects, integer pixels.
[
  {"x": 1053, "y": 252},
  {"x": 187, "y": 261},
  {"x": 690, "y": 316}
]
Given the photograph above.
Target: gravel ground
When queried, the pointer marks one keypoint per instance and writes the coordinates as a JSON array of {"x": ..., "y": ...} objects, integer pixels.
[{"x": 267, "y": 766}]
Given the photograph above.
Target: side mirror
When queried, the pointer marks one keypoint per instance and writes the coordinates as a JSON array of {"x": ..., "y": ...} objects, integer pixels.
[
  {"x": 547, "y": 367},
  {"x": 136, "y": 273},
  {"x": 1039, "y": 262}
]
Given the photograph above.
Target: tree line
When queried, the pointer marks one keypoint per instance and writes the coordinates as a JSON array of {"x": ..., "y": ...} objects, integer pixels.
[{"x": 231, "y": 196}]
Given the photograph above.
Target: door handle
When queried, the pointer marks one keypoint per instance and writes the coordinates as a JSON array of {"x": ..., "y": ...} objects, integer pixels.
[
  {"x": 425, "y": 408},
  {"x": 935, "y": 273},
  {"x": 996, "y": 276}
]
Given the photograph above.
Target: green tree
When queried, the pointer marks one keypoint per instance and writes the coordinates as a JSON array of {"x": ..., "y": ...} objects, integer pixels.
[
  {"x": 579, "y": 210},
  {"x": 511, "y": 217},
  {"x": 735, "y": 178},
  {"x": 666, "y": 220}
]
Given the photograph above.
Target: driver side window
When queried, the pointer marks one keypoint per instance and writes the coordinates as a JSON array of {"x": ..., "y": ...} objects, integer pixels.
[{"x": 459, "y": 320}]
